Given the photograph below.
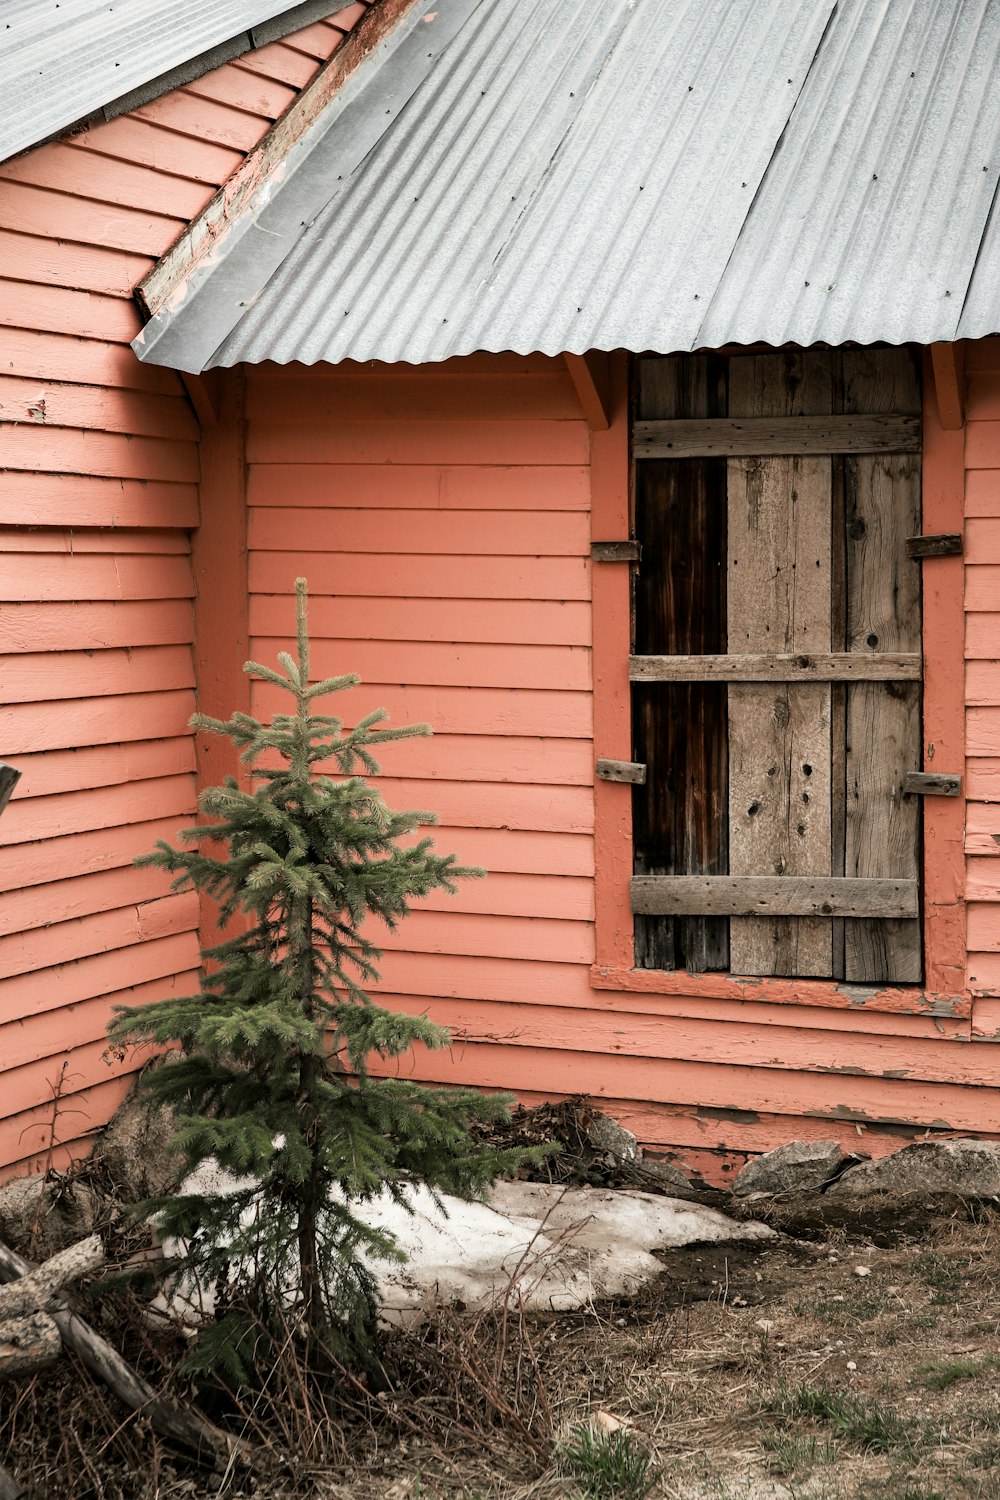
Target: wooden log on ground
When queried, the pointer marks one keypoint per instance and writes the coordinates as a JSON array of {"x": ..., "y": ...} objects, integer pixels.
[
  {"x": 28, "y": 1343},
  {"x": 35, "y": 1290},
  {"x": 182, "y": 1424}
]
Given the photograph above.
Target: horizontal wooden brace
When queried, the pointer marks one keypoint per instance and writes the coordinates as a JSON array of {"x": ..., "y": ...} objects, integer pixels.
[
  {"x": 948, "y": 544},
  {"x": 622, "y": 770},
  {"x": 814, "y": 666},
  {"x": 615, "y": 551},
  {"x": 932, "y": 784},
  {"x": 784, "y": 896},
  {"x": 758, "y": 437}
]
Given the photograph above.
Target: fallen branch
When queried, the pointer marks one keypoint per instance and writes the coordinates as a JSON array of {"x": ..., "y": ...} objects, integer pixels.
[
  {"x": 29, "y": 1339},
  {"x": 33, "y": 1291},
  {"x": 28, "y": 1344},
  {"x": 182, "y": 1424}
]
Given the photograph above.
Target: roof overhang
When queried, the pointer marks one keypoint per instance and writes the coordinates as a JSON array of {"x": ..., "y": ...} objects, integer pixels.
[
  {"x": 196, "y": 295},
  {"x": 559, "y": 176}
]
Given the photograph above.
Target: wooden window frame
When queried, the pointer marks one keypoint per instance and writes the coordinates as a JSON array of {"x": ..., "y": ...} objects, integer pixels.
[{"x": 944, "y": 991}]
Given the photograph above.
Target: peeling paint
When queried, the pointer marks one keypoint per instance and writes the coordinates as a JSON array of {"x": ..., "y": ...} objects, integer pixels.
[
  {"x": 734, "y": 1116},
  {"x": 854, "y": 1071},
  {"x": 885, "y": 1126},
  {"x": 857, "y": 994},
  {"x": 860, "y": 995}
]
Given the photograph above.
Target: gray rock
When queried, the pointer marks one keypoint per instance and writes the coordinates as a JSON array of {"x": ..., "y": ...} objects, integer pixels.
[
  {"x": 969, "y": 1168},
  {"x": 668, "y": 1177},
  {"x": 606, "y": 1135},
  {"x": 799, "y": 1167},
  {"x": 134, "y": 1148},
  {"x": 22, "y": 1201},
  {"x": 40, "y": 1215}
]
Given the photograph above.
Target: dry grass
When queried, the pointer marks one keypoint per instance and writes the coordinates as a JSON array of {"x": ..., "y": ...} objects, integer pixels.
[{"x": 777, "y": 1373}]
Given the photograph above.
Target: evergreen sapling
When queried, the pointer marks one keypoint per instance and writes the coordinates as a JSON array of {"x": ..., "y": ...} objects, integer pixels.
[{"x": 272, "y": 1077}]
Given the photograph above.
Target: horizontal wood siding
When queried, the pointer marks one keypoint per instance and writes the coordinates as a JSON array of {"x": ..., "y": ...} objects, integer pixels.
[
  {"x": 99, "y": 471},
  {"x": 440, "y": 516},
  {"x": 441, "y": 519}
]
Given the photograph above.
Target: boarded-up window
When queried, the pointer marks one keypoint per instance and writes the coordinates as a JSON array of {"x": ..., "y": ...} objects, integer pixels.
[{"x": 776, "y": 674}]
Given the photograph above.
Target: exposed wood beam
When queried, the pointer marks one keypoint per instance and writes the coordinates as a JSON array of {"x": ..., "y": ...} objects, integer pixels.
[
  {"x": 591, "y": 381},
  {"x": 9, "y": 777},
  {"x": 203, "y": 394},
  {"x": 948, "y": 364}
]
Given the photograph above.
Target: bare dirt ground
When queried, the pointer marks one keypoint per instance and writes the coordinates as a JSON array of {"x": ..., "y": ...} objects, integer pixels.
[{"x": 854, "y": 1360}]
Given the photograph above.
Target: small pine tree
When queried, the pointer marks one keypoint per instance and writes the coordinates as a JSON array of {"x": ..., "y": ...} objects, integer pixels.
[{"x": 272, "y": 1077}]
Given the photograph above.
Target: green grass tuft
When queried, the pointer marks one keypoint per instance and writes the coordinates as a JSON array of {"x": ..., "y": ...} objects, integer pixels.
[
  {"x": 607, "y": 1465},
  {"x": 875, "y": 1428}
]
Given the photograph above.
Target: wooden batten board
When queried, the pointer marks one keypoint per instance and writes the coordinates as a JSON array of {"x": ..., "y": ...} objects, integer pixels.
[
  {"x": 946, "y": 544},
  {"x": 782, "y": 896},
  {"x": 831, "y": 666},
  {"x": 679, "y": 729},
  {"x": 627, "y": 771},
  {"x": 931, "y": 784},
  {"x": 883, "y": 722},
  {"x": 779, "y": 590},
  {"x": 758, "y": 436}
]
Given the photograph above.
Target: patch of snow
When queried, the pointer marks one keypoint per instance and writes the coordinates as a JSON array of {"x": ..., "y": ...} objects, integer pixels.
[{"x": 561, "y": 1248}]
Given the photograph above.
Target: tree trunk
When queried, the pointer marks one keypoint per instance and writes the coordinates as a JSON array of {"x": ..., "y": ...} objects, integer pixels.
[{"x": 309, "y": 1197}]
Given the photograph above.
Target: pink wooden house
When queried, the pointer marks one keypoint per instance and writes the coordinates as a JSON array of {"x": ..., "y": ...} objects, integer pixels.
[{"x": 626, "y": 382}]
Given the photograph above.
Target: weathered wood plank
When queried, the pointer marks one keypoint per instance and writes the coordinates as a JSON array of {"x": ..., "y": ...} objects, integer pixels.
[
  {"x": 838, "y": 691},
  {"x": 621, "y": 770},
  {"x": 947, "y": 544},
  {"x": 614, "y": 552},
  {"x": 782, "y": 896},
  {"x": 816, "y": 666},
  {"x": 779, "y": 601},
  {"x": 883, "y": 720},
  {"x": 931, "y": 784},
  {"x": 679, "y": 730},
  {"x": 758, "y": 436}
]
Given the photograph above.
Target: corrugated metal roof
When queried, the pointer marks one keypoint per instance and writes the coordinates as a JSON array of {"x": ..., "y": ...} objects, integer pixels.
[
  {"x": 63, "y": 60},
  {"x": 653, "y": 174},
  {"x": 869, "y": 222}
]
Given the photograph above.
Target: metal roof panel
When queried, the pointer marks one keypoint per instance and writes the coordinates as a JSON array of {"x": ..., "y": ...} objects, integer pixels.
[
  {"x": 868, "y": 223},
  {"x": 650, "y": 174},
  {"x": 63, "y": 60}
]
